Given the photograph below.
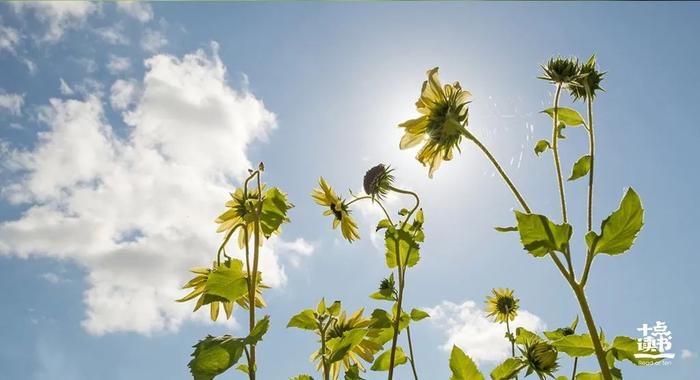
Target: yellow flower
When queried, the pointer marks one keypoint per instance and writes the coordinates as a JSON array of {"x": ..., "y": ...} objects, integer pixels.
[
  {"x": 326, "y": 196},
  {"x": 240, "y": 210},
  {"x": 445, "y": 112},
  {"x": 502, "y": 306}
]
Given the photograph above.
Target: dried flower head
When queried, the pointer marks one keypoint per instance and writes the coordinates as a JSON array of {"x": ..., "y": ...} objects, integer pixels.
[
  {"x": 589, "y": 81},
  {"x": 378, "y": 181},
  {"x": 445, "y": 113},
  {"x": 562, "y": 71}
]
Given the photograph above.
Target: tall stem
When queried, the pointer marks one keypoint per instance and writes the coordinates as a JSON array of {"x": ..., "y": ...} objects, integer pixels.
[
  {"x": 592, "y": 330},
  {"x": 500, "y": 170},
  {"x": 512, "y": 341},
  {"x": 323, "y": 355},
  {"x": 591, "y": 145},
  {"x": 555, "y": 150},
  {"x": 410, "y": 352},
  {"x": 254, "y": 277}
]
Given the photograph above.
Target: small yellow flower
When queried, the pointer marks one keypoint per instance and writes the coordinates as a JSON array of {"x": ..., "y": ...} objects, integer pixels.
[
  {"x": 502, "y": 306},
  {"x": 326, "y": 196},
  {"x": 445, "y": 112}
]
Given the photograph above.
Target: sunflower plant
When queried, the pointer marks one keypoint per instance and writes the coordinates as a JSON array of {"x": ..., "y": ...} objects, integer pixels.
[
  {"x": 345, "y": 342},
  {"x": 402, "y": 240},
  {"x": 444, "y": 124},
  {"x": 256, "y": 212}
]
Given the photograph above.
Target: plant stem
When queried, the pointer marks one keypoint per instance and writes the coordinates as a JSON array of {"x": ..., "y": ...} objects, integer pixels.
[
  {"x": 555, "y": 150},
  {"x": 592, "y": 330},
  {"x": 410, "y": 351},
  {"x": 591, "y": 145},
  {"x": 512, "y": 341},
  {"x": 573, "y": 374},
  {"x": 253, "y": 276},
  {"x": 323, "y": 354},
  {"x": 500, "y": 170}
]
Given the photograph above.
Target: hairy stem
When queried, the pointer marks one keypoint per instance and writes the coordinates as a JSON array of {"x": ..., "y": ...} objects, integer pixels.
[
  {"x": 555, "y": 151},
  {"x": 410, "y": 352},
  {"x": 253, "y": 277},
  {"x": 500, "y": 170},
  {"x": 512, "y": 341},
  {"x": 324, "y": 360},
  {"x": 593, "y": 331},
  {"x": 591, "y": 147}
]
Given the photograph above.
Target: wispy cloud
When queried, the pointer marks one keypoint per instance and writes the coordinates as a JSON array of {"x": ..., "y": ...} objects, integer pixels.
[{"x": 11, "y": 103}]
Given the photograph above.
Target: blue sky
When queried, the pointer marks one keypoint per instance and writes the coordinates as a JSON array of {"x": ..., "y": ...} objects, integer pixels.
[{"x": 110, "y": 189}]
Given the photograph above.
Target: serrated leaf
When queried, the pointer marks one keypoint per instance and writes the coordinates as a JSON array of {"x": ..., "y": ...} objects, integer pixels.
[
  {"x": 417, "y": 315},
  {"x": 258, "y": 331},
  {"x": 274, "y": 211},
  {"x": 581, "y": 168},
  {"x": 349, "y": 340},
  {"x": 524, "y": 336},
  {"x": 575, "y": 345},
  {"x": 212, "y": 356},
  {"x": 462, "y": 366},
  {"x": 620, "y": 229},
  {"x": 541, "y": 146},
  {"x": 227, "y": 281},
  {"x": 408, "y": 248},
  {"x": 382, "y": 362},
  {"x": 305, "y": 320},
  {"x": 540, "y": 236},
  {"x": 568, "y": 116},
  {"x": 625, "y": 348},
  {"x": 507, "y": 370}
]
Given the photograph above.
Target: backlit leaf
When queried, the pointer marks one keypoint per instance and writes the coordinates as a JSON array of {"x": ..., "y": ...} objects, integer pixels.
[
  {"x": 462, "y": 366},
  {"x": 619, "y": 230},
  {"x": 581, "y": 167}
]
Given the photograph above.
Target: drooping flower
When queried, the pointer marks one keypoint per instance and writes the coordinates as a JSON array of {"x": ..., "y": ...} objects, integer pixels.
[
  {"x": 364, "y": 350},
  {"x": 502, "y": 306},
  {"x": 445, "y": 114},
  {"x": 541, "y": 358},
  {"x": 589, "y": 81},
  {"x": 562, "y": 71},
  {"x": 378, "y": 181},
  {"x": 326, "y": 196}
]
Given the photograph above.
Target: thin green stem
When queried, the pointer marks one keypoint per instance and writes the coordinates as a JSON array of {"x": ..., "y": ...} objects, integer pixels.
[
  {"x": 410, "y": 352},
  {"x": 415, "y": 207},
  {"x": 358, "y": 199},
  {"x": 573, "y": 374},
  {"x": 222, "y": 247},
  {"x": 510, "y": 338},
  {"x": 500, "y": 170},
  {"x": 593, "y": 331},
  {"x": 253, "y": 276},
  {"x": 324, "y": 359},
  {"x": 555, "y": 150},
  {"x": 591, "y": 147}
]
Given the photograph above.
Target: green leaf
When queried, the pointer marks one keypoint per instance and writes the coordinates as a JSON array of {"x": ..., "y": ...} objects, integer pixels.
[
  {"x": 619, "y": 230},
  {"x": 334, "y": 309},
  {"x": 575, "y": 345},
  {"x": 383, "y": 361},
  {"x": 227, "y": 281},
  {"x": 625, "y": 348},
  {"x": 567, "y": 116},
  {"x": 574, "y": 323},
  {"x": 525, "y": 336},
  {"x": 408, "y": 248},
  {"x": 417, "y": 315},
  {"x": 589, "y": 376},
  {"x": 384, "y": 223},
  {"x": 541, "y": 146},
  {"x": 540, "y": 236},
  {"x": 274, "y": 211},
  {"x": 304, "y": 320},
  {"x": 353, "y": 373},
  {"x": 506, "y": 229},
  {"x": 212, "y": 356},
  {"x": 581, "y": 168},
  {"x": 260, "y": 329},
  {"x": 301, "y": 377},
  {"x": 243, "y": 368},
  {"x": 462, "y": 366},
  {"x": 349, "y": 340},
  {"x": 507, "y": 370}
]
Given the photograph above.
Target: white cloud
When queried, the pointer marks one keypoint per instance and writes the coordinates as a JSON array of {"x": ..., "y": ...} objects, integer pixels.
[
  {"x": 118, "y": 64},
  {"x": 113, "y": 35},
  {"x": 687, "y": 354},
  {"x": 53, "y": 278},
  {"x": 11, "y": 103},
  {"x": 65, "y": 88},
  {"x": 467, "y": 326},
  {"x": 136, "y": 212},
  {"x": 123, "y": 93},
  {"x": 136, "y": 9},
  {"x": 58, "y": 16},
  {"x": 153, "y": 40},
  {"x": 9, "y": 38}
]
